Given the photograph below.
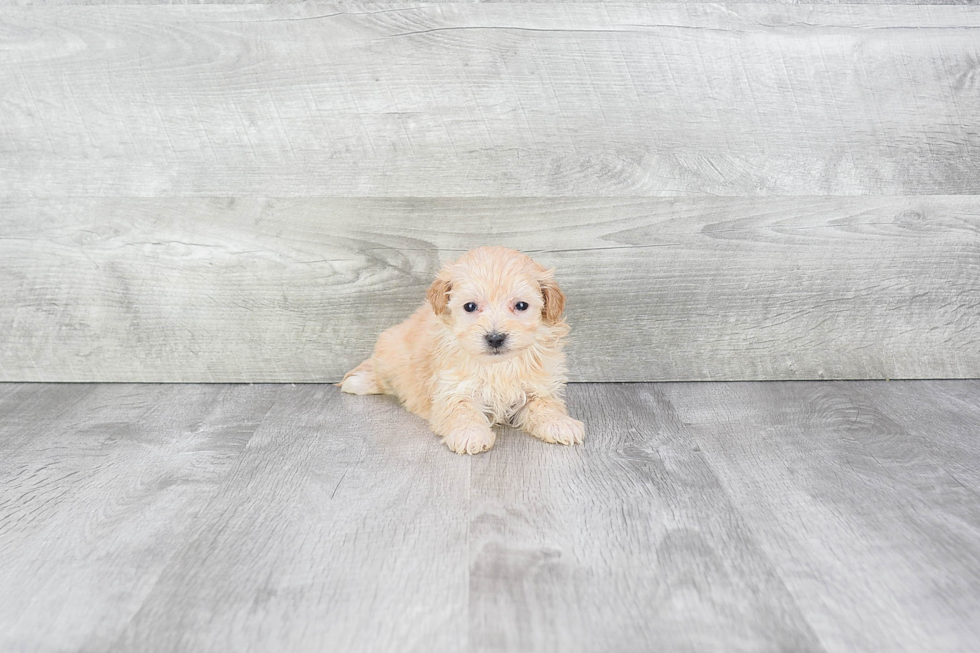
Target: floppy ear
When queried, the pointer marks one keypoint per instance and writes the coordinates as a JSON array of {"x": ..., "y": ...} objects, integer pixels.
[
  {"x": 438, "y": 295},
  {"x": 554, "y": 299}
]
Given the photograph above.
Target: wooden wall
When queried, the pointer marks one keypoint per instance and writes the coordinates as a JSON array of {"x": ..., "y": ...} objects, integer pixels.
[{"x": 251, "y": 192}]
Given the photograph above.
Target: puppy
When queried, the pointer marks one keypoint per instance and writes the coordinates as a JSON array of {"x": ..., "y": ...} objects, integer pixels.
[{"x": 485, "y": 349}]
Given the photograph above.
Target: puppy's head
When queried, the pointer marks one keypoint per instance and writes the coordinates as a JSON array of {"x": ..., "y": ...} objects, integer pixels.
[{"x": 498, "y": 302}]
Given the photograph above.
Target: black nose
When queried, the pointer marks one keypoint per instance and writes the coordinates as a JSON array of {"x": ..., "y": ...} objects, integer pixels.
[{"x": 496, "y": 340}]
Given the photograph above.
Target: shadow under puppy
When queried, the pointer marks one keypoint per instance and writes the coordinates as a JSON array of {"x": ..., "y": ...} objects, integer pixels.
[{"x": 485, "y": 349}]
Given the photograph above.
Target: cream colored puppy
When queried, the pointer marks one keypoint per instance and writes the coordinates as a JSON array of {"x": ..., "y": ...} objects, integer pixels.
[{"x": 485, "y": 349}]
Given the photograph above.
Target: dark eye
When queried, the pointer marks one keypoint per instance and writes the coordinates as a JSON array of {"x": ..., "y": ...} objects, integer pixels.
[
  {"x": 521, "y": 306},
  {"x": 469, "y": 307}
]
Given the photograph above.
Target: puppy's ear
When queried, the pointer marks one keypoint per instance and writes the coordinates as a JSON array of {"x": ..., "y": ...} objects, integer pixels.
[
  {"x": 554, "y": 299},
  {"x": 438, "y": 295}
]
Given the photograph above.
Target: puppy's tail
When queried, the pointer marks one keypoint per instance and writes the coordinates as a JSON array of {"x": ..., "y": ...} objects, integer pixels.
[{"x": 361, "y": 380}]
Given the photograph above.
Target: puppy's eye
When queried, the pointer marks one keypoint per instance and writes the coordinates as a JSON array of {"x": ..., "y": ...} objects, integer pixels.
[
  {"x": 521, "y": 306},
  {"x": 469, "y": 307}
]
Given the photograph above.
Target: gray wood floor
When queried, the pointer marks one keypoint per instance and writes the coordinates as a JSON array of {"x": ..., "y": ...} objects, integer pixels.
[{"x": 789, "y": 516}]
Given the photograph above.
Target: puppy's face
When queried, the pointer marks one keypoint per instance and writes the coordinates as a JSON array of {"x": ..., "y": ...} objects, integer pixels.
[{"x": 496, "y": 302}]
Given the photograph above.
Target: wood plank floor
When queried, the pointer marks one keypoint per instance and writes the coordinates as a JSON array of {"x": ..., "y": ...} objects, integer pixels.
[{"x": 785, "y": 516}]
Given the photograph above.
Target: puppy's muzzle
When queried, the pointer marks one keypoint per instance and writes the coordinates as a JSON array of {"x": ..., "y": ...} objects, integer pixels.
[{"x": 495, "y": 341}]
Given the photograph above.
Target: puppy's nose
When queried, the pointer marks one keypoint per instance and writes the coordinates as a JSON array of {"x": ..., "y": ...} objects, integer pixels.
[{"x": 496, "y": 340}]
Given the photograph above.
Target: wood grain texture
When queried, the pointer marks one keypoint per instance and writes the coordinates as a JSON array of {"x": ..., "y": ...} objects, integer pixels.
[
  {"x": 100, "y": 486},
  {"x": 374, "y": 5},
  {"x": 815, "y": 516},
  {"x": 855, "y": 493},
  {"x": 343, "y": 523},
  {"x": 489, "y": 99},
  {"x": 626, "y": 541},
  {"x": 298, "y": 290}
]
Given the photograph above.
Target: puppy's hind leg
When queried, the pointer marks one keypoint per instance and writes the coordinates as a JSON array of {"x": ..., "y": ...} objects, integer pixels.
[{"x": 361, "y": 380}]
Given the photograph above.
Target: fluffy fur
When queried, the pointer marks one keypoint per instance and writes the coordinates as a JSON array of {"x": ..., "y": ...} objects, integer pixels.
[{"x": 441, "y": 365}]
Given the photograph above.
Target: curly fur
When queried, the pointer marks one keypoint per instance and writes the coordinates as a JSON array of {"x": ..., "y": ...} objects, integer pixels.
[{"x": 438, "y": 362}]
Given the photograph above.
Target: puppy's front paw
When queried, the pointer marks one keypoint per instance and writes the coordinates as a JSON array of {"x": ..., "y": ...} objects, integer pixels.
[
  {"x": 563, "y": 430},
  {"x": 471, "y": 439}
]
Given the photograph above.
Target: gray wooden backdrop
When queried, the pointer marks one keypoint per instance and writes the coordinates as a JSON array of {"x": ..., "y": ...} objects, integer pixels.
[{"x": 252, "y": 192}]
